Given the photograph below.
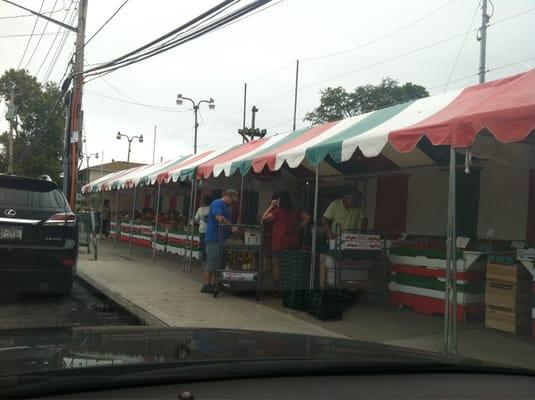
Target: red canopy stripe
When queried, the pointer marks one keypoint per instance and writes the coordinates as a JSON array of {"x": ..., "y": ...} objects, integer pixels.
[
  {"x": 270, "y": 158},
  {"x": 506, "y": 107},
  {"x": 205, "y": 170},
  {"x": 164, "y": 176}
]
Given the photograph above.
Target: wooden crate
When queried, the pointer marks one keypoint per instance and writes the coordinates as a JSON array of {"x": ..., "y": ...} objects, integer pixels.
[
  {"x": 507, "y": 273},
  {"x": 508, "y": 294},
  {"x": 506, "y": 320}
]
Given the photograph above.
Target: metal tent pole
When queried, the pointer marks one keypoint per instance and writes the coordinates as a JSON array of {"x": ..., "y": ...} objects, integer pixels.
[
  {"x": 156, "y": 222},
  {"x": 117, "y": 230},
  {"x": 450, "y": 312},
  {"x": 185, "y": 261},
  {"x": 195, "y": 188},
  {"x": 314, "y": 231},
  {"x": 241, "y": 202},
  {"x": 132, "y": 221}
]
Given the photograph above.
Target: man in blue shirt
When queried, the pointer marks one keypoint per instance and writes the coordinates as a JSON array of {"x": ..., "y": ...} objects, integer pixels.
[{"x": 220, "y": 213}]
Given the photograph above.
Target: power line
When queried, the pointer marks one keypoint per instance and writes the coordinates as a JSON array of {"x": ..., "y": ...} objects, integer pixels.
[
  {"x": 138, "y": 56},
  {"x": 59, "y": 49},
  {"x": 409, "y": 25},
  {"x": 31, "y": 35},
  {"x": 31, "y": 15},
  {"x": 40, "y": 38},
  {"x": 511, "y": 64},
  {"x": 53, "y": 43},
  {"x": 106, "y": 22},
  {"x": 151, "y": 106},
  {"x": 159, "y": 39},
  {"x": 499, "y": 21},
  {"x": 462, "y": 44}
]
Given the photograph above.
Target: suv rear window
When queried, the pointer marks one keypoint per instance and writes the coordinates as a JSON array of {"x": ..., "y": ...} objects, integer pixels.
[{"x": 31, "y": 194}]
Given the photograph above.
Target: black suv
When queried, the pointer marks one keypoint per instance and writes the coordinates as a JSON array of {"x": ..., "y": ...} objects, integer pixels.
[{"x": 38, "y": 237}]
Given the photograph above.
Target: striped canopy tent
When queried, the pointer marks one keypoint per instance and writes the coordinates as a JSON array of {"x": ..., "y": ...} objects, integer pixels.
[
  {"x": 187, "y": 167},
  {"x": 103, "y": 183},
  {"x": 335, "y": 142},
  {"x": 410, "y": 134}
]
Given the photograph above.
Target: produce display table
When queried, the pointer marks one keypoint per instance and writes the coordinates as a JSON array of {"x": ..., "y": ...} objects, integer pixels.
[
  {"x": 175, "y": 242},
  {"x": 178, "y": 242},
  {"x": 124, "y": 229},
  {"x": 160, "y": 243},
  {"x": 418, "y": 275},
  {"x": 113, "y": 229}
]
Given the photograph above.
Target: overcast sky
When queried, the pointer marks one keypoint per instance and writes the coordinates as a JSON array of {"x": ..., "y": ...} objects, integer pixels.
[{"x": 327, "y": 36}]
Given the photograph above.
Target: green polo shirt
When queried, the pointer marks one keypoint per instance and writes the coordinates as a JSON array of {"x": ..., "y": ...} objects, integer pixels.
[{"x": 348, "y": 218}]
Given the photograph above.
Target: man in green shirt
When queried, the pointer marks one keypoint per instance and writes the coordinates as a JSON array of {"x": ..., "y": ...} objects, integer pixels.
[{"x": 345, "y": 211}]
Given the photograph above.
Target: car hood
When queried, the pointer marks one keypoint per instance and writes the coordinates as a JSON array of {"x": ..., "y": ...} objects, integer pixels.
[{"x": 32, "y": 350}]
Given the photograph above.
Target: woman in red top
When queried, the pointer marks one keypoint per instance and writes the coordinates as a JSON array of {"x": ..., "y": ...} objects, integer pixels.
[{"x": 287, "y": 224}]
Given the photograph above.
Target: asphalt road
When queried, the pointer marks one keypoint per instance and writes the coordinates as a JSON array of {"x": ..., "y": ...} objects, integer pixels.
[{"x": 83, "y": 307}]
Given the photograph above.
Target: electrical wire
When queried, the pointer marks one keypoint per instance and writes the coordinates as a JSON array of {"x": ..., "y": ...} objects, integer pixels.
[
  {"x": 31, "y": 35},
  {"x": 40, "y": 38},
  {"x": 151, "y": 106},
  {"x": 392, "y": 33},
  {"x": 137, "y": 56},
  {"x": 49, "y": 52},
  {"x": 159, "y": 39},
  {"x": 462, "y": 45},
  {"x": 59, "y": 49},
  {"x": 32, "y": 15},
  {"x": 521, "y": 13},
  {"x": 106, "y": 22}
]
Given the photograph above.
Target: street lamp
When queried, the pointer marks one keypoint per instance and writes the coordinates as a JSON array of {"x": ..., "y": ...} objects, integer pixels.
[
  {"x": 211, "y": 105},
  {"x": 130, "y": 139},
  {"x": 87, "y": 157}
]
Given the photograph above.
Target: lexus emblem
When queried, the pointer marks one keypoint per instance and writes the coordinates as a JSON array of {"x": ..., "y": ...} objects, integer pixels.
[{"x": 10, "y": 212}]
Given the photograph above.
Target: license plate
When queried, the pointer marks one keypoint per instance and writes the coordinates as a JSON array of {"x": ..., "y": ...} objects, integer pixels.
[{"x": 8, "y": 232}]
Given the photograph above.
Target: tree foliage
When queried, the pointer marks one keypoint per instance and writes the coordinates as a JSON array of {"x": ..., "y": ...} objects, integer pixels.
[
  {"x": 38, "y": 141},
  {"x": 337, "y": 103}
]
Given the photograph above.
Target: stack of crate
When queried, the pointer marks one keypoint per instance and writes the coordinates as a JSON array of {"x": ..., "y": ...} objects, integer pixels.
[
  {"x": 295, "y": 278},
  {"x": 508, "y": 298}
]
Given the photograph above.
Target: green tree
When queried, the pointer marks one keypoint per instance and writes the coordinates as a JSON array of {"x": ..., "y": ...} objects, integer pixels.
[
  {"x": 336, "y": 103},
  {"x": 38, "y": 141}
]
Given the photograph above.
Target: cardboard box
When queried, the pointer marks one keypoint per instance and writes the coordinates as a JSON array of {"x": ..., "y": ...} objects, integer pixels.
[
  {"x": 507, "y": 273},
  {"x": 326, "y": 262},
  {"x": 504, "y": 320}
]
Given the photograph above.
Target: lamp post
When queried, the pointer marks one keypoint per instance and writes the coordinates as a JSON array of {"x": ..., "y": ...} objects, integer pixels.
[
  {"x": 211, "y": 105},
  {"x": 87, "y": 157},
  {"x": 130, "y": 139}
]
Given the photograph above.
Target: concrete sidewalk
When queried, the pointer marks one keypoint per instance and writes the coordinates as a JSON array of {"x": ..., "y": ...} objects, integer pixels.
[{"x": 161, "y": 294}]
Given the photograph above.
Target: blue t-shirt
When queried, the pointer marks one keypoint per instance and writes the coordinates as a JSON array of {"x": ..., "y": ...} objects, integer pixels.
[{"x": 218, "y": 207}]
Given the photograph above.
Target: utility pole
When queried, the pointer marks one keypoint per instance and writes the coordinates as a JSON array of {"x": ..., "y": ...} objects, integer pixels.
[
  {"x": 483, "y": 42},
  {"x": 12, "y": 112},
  {"x": 244, "y": 109},
  {"x": 76, "y": 102},
  {"x": 295, "y": 93},
  {"x": 154, "y": 145}
]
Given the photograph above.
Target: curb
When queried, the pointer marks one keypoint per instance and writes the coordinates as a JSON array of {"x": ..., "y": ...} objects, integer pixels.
[{"x": 139, "y": 312}]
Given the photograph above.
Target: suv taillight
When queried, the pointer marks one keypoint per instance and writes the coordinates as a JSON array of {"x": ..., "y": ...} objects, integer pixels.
[{"x": 61, "y": 219}]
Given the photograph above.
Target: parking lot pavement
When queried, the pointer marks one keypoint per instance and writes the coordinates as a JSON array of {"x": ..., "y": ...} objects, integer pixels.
[{"x": 83, "y": 307}]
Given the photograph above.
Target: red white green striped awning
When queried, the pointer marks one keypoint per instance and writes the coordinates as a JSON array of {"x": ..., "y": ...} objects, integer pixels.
[{"x": 504, "y": 107}]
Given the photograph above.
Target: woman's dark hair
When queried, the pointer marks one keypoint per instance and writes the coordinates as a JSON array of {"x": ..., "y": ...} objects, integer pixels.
[
  {"x": 285, "y": 201},
  {"x": 207, "y": 199},
  {"x": 275, "y": 195}
]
